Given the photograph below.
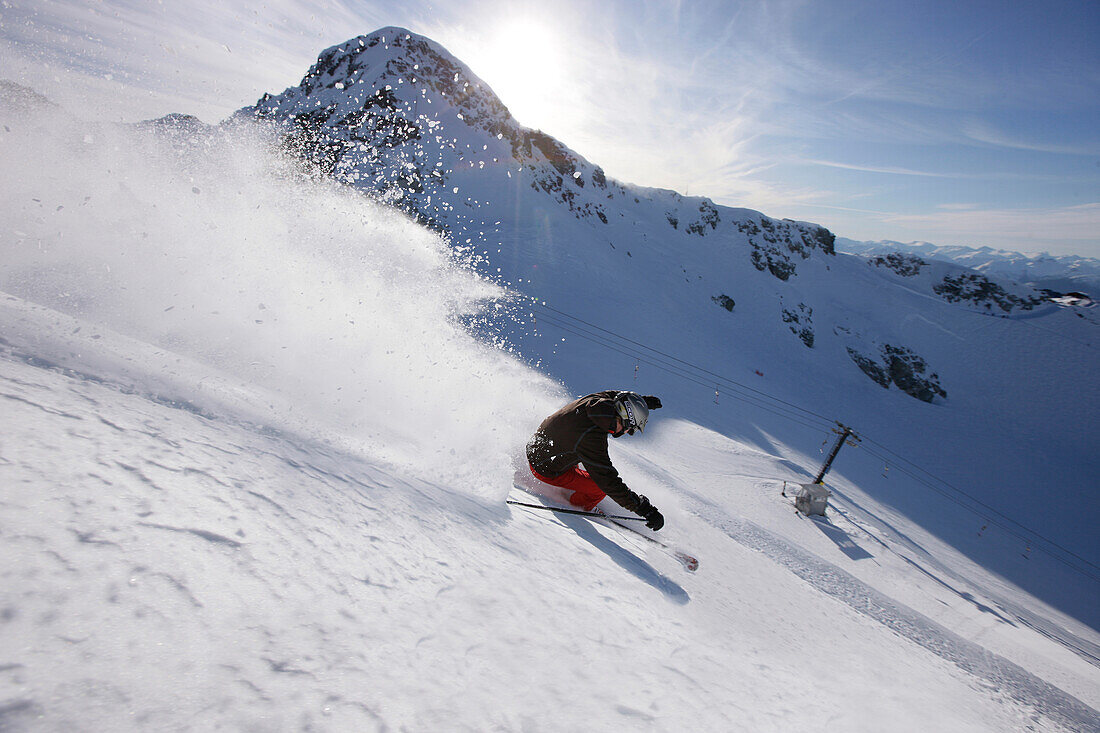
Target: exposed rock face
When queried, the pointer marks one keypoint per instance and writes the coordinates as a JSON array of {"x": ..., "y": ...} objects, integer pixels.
[
  {"x": 977, "y": 289},
  {"x": 1042, "y": 272},
  {"x": 901, "y": 367},
  {"x": 370, "y": 112},
  {"x": 725, "y": 301},
  {"x": 956, "y": 284},
  {"x": 708, "y": 217},
  {"x": 903, "y": 264},
  {"x": 775, "y": 244},
  {"x": 800, "y": 320},
  {"x": 395, "y": 115}
]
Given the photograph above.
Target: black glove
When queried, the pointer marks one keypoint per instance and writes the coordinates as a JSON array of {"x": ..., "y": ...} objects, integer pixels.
[
  {"x": 653, "y": 518},
  {"x": 652, "y": 402}
]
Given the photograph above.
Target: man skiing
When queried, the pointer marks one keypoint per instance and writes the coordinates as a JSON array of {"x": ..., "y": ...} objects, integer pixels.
[{"x": 577, "y": 433}]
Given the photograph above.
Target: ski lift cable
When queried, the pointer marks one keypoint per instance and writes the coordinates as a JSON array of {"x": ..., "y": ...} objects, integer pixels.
[
  {"x": 687, "y": 377},
  {"x": 986, "y": 507},
  {"x": 1029, "y": 540},
  {"x": 988, "y": 513},
  {"x": 543, "y": 306},
  {"x": 652, "y": 361},
  {"x": 643, "y": 358},
  {"x": 632, "y": 354},
  {"x": 696, "y": 367},
  {"x": 622, "y": 348}
]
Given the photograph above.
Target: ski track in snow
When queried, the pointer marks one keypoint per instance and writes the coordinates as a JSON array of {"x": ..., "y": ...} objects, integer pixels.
[
  {"x": 1009, "y": 613},
  {"x": 998, "y": 672}
]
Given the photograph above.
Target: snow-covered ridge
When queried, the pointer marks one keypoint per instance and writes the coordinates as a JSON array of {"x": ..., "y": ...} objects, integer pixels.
[{"x": 380, "y": 112}]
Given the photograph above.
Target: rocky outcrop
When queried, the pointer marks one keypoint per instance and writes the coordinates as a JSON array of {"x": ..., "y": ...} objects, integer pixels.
[
  {"x": 800, "y": 321},
  {"x": 901, "y": 367},
  {"x": 957, "y": 284},
  {"x": 977, "y": 289},
  {"x": 777, "y": 246},
  {"x": 708, "y": 218},
  {"x": 904, "y": 265},
  {"x": 369, "y": 113},
  {"x": 395, "y": 115},
  {"x": 725, "y": 301}
]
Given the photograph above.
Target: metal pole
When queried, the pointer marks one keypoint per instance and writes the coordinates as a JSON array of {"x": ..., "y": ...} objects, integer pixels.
[{"x": 845, "y": 432}]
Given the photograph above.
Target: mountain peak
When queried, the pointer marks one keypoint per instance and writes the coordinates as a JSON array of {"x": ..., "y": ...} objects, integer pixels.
[
  {"x": 395, "y": 100},
  {"x": 392, "y": 58},
  {"x": 396, "y": 114}
]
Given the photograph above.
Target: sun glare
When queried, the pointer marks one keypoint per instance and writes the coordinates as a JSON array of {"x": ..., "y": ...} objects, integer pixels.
[{"x": 525, "y": 63}]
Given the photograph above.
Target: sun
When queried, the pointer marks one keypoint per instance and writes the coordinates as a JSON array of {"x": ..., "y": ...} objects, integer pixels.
[{"x": 526, "y": 62}]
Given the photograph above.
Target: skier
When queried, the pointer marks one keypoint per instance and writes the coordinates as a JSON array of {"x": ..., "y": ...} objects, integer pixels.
[{"x": 577, "y": 433}]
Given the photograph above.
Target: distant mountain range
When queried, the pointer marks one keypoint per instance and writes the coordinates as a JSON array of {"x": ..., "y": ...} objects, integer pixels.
[{"x": 1061, "y": 273}]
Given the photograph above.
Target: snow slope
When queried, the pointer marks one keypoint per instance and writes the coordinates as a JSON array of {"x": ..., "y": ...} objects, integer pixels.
[
  {"x": 253, "y": 466},
  {"x": 173, "y": 567}
]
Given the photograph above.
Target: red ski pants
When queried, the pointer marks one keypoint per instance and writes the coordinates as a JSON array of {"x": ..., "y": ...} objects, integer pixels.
[{"x": 586, "y": 494}]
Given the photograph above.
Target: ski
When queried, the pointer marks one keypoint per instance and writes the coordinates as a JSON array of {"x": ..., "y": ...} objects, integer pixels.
[
  {"x": 690, "y": 562},
  {"x": 578, "y": 512}
]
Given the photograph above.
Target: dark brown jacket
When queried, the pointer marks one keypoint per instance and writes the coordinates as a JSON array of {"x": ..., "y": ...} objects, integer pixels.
[{"x": 577, "y": 433}]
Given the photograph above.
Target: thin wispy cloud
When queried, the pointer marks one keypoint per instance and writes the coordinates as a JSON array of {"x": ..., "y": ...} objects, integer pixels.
[
  {"x": 953, "y": 175},
  {"x": 888, "y": 170},
  {"x": 985, "y": 133}
]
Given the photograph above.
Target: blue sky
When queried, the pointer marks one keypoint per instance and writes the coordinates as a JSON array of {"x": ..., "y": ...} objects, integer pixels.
[{"x": 967, "y": 123}]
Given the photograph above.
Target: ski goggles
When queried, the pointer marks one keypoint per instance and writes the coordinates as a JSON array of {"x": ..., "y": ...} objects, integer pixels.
[{"x": 630, "y": 421}]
